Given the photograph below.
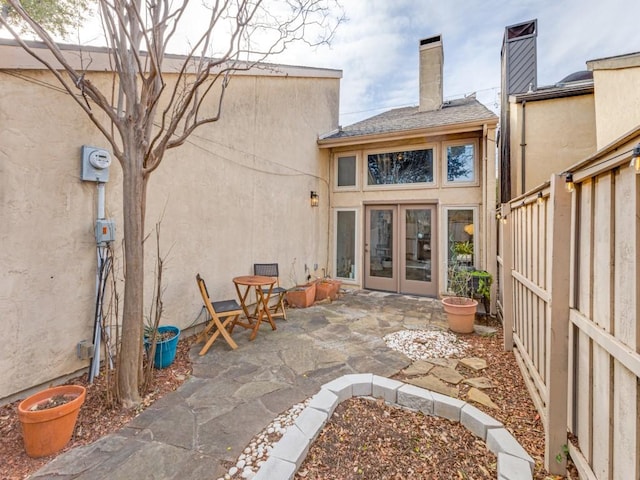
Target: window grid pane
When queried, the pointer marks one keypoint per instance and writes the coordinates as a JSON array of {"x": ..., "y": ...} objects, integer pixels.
[
  {"x": 415, "y": 166},
  {"x": 347, "y": 171},
  {"x": 461, "y": 163}
]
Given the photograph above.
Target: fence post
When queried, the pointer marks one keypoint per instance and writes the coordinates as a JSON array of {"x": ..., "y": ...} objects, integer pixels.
[
  {"x": 507, "y": 280},
  {"x": 558, "y": 278}
]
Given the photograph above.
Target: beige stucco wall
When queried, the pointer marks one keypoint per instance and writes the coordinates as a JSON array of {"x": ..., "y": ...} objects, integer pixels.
[
  {"x": 558, "y": 133},
  {"x": 617, "y": 111},
  {"x": 236, "y": 193},
  {"x": 481, "y": 197}
]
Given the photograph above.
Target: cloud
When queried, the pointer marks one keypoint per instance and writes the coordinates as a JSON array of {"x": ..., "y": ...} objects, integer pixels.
[{"x": 377, "y": 47}]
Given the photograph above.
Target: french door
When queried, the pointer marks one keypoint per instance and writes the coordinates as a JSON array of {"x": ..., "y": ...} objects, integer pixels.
[{"x": 400, "y": 249}]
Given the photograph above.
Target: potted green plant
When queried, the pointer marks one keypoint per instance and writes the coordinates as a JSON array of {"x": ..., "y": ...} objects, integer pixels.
[
  {"x": 463, "y": 252},
  {"x": 49, "y": 417},
  {"x": 459, "y": 304},
  {"x": 481, "y": 282}
]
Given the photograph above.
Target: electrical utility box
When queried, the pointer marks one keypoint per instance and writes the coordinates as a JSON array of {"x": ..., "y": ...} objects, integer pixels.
[
  {"x": 105, "y": 231},
  {"x": 95, "y": 164}
]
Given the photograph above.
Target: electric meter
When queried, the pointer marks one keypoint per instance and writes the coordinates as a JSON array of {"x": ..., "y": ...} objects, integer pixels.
[
  {"x": 100, "y": 159},
  {"x": 95, "y": 164}
]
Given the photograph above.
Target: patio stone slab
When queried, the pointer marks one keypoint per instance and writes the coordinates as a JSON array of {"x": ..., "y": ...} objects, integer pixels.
[
  {"x": 479, "y": 382},
  {"x": 474, "y": 363},
  {"x": 419, "y": 367},
  {"x": 482, "y": 398},
  {"x": 444, "y": 362},
  {"x": 434, "y": 384},
  {"x": 448, "y": 375}
]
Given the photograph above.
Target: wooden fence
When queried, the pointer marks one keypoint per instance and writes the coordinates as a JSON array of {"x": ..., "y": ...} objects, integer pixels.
[{"x": 569, "y": 283}]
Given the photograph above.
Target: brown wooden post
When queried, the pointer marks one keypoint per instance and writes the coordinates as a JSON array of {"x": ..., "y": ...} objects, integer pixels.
[
  {"x": 507, "y": 285},
  {"x": 558, "y": 277}
]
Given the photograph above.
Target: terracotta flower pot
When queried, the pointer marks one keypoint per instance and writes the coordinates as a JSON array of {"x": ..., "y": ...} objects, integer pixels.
[
  {"x": 301, "y": 296},
  {"x": 323, "y": 289},
  {"x": 47, "y": 431},
  {"x": 336, "y": 284},
  {"x": 461, "y": 313}
]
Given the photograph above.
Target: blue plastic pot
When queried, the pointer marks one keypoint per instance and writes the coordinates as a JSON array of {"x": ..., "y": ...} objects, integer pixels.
[{"x": 165, "y": 350}]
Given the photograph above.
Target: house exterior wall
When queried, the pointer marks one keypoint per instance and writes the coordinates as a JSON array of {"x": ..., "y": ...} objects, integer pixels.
[
  {"x": 558, "y": 132},
  {"x": 236, "y": 193},
  {"x": 481, "y": 196},
  {"x": 617, "y": 111}
]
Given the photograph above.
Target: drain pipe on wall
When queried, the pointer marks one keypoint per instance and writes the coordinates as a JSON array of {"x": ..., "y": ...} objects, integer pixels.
[{"x": 523, "y": 147}]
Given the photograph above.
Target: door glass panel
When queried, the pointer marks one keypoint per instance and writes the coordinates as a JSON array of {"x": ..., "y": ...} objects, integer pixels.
[
  {"x": 418, "y": 239},
  {"x": 346, "y": 244},
  {"x": 460, "y": 243},
  {"x": 381, "y": 249}
]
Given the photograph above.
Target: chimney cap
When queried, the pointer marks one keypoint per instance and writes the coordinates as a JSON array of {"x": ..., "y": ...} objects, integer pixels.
[{"x": 430, "y": 40}]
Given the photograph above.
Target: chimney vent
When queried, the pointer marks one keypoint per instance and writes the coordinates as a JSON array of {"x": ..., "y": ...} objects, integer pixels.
[{"x": 431, "y": 65}]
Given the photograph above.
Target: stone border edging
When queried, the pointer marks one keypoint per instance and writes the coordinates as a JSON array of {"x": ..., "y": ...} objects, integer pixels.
[{"x": 514, "y": 463}]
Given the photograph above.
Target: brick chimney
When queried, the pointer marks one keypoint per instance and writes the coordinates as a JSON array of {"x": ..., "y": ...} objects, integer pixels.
[{"x": 431, "y": 61}]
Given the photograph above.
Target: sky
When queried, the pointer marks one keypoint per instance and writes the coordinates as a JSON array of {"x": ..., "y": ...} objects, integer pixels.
[{"x": 377, "y": 47}]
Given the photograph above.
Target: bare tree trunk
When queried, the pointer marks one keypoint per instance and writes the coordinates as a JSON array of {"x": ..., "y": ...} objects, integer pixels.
[{"x": 134, "y": 188}]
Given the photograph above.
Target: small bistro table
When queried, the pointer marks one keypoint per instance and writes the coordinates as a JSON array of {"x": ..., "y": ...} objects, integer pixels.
[{"x": 258, "y": 283}]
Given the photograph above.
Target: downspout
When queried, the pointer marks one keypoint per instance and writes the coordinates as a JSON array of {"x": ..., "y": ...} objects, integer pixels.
[
  {"x": 485, "y": 195},
  {"x": 523, "y": 147}
]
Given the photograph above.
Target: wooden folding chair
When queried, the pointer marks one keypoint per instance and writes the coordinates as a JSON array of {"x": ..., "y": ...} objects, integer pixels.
[
  {"x": 224, "y": 315},
  {"x": 271, "y": 270}
]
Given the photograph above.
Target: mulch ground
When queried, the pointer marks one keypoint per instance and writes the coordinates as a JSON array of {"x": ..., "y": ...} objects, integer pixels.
[{"x": 96, "y": 419}]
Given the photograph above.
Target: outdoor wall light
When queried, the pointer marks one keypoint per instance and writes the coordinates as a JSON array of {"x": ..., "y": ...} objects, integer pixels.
[
  {"x": 635, "y": 159},
  {"x": 568, "y": 179},
  {"x": 540, "y": 199},
  {"x": 315, "y": 199},
  {"x": 498, "y": 215},
  {"x": 504, "y": 220}
]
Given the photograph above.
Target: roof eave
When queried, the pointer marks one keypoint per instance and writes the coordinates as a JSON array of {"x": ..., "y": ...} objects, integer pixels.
[
  {"x": 98, "y": 59},
  {"x": 553, "y": 93},
  {"x": 472, "y": 126}
]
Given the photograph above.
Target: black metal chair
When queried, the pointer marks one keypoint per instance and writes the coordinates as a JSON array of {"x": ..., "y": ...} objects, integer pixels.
[{"x": 271, "y": 270}]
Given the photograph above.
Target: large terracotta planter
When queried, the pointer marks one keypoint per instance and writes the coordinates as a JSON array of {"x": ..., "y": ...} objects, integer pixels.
[
  {"x": 324, "y": 289},
  {"x": 461, "y": 313},
  {"x": 301, "y": 296},
  {"x": 335, "y": 288},
  {"x": 47, "y": 431}
]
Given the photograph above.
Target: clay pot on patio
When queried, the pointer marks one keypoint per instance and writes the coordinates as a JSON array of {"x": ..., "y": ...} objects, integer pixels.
[
  {"x": 47, "y": 429},
  {"x": 301, "y": 296},
  {"x": 335, "y": 288},
  {"x": 461, "y": 313}
]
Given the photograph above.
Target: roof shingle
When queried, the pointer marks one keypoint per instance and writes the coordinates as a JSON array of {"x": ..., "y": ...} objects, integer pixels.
[{"x": 463, "y": 110}]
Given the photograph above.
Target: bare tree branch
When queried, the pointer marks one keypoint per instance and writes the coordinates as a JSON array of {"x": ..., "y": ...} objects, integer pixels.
[{"x": 150, "y": 108}]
